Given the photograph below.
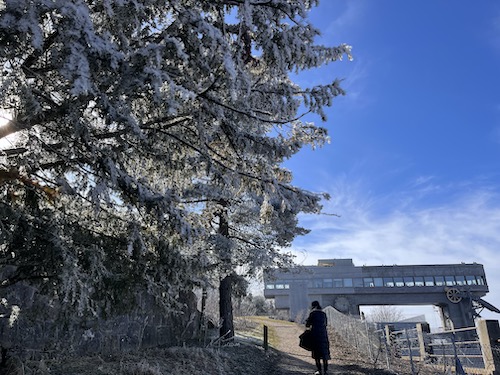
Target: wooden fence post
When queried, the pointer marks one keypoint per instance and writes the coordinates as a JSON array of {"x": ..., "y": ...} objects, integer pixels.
[
  {"x": 388, "y": 335},
  {"x": 266, "y": 338},
  {"x": 423, "y": 329},
  {"x": 483, "y": 328}
]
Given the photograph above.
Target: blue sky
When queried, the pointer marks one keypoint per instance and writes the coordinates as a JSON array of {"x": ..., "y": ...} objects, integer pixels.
[{"x": 413, "y": 163}]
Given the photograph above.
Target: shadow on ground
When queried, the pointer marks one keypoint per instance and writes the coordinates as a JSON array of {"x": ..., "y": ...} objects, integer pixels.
[{"x": 290, "y": 365}]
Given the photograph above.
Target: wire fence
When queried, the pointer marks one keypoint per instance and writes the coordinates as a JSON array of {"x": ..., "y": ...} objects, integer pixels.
[
  {"x": 363, "y": 337},
  {"x": 473, "y": 350}
]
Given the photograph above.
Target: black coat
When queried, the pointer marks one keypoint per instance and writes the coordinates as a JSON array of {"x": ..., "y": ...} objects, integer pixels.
[{"x": 317, "y": 321}]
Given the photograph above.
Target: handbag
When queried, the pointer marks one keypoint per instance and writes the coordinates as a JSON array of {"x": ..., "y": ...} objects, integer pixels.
[{"x": 306, "y": 340}]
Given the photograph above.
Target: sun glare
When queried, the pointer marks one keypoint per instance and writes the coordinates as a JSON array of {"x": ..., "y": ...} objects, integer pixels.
[
  {"x": 4, "y": 120},
  {"x": 5, "y": 117}
]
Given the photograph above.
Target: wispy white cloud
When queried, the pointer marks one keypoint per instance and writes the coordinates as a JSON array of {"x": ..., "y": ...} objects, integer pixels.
[
  {"x": 345, "y": 21},
  {"x": 377, "y": 230},
  {"x": 348, "y": 19},
  {"x": 354, "y": 83}
]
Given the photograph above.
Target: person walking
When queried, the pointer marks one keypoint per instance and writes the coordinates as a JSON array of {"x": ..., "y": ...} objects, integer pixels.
[{"x": 317, "y": 321}]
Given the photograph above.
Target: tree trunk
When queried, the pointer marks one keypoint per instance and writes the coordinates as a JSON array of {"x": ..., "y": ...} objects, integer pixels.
[
  {"x": 226, "y": 307},
  {"x": 202, "y": 325},
  {"x": 226, "y": 284}
]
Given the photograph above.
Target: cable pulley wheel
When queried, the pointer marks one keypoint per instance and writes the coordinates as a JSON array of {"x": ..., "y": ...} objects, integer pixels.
[{"x": 453, "y": 295}]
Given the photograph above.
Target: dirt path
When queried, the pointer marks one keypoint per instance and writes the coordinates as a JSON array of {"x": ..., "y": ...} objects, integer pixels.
[{"x": 294, "y": 360}]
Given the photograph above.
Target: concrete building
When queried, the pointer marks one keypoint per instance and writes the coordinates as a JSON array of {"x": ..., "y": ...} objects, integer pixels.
[{"x": 457, "y": 289}]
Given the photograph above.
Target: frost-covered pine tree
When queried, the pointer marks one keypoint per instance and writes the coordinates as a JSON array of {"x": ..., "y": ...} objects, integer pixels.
[{"x": 140, "y": 129}]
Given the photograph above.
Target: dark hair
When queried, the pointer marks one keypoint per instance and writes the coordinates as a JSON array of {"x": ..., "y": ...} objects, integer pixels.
[{"x": 315, "y": 305}]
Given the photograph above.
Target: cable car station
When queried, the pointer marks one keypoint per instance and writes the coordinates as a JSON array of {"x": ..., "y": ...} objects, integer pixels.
[{"x": 456, "y": 289}]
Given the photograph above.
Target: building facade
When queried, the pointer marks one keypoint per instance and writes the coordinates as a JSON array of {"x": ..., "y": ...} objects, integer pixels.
[{"x": 457, "y": 289}]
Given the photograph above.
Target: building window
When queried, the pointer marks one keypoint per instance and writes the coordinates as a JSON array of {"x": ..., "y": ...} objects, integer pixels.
[
  {"x": 388, "y": 281},
  {"x": 378, "y": 281},
  {"x": 439, "y": 280},
  {"x": 348, "y": 283},
  {"x": 368, "y": 282},
  {"x": 450, "y": 280},
  {"x": 317, "y": 283},
  {"x": 337, "y": 283},
  {"x": 327, "y": 283},
  {"x": 471, "y": 280},
  {"x": 460, "y": 280},
  {"x": 398, "y": 281},
  {"x": 480, "y": 280},
  {"x": 358, "y": 282},
  {"x": 419, "y": 281},
  {"x": 429, "y": 281},
  {"x": 409, "y": 281}
]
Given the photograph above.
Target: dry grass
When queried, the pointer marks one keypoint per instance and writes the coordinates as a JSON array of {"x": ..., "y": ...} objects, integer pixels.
[
  {"x": 231, "y": 360},
  {"x": 253, "y": 326},
  {"x": 236, "y": 359}
]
